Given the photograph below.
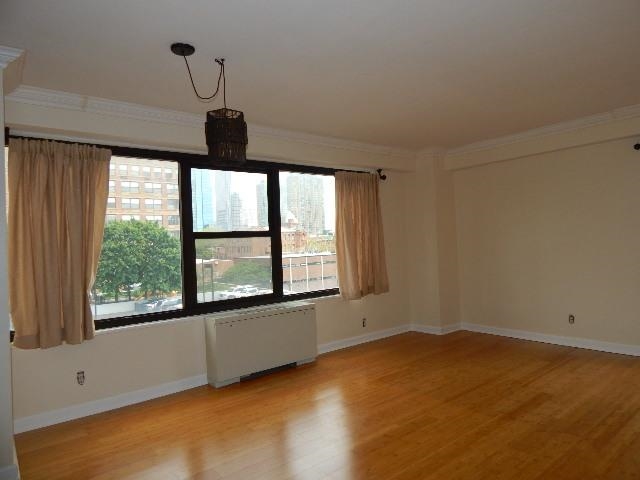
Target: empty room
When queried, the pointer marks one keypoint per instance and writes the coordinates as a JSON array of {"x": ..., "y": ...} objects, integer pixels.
[{"x": 320, "y": 240}]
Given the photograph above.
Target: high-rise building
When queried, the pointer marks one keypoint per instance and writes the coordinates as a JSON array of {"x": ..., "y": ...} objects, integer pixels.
[
  {"x": 237, "y": 216},
  {"x": 305, "y": 201},
  {"x": 223, "y": 199},
  {"x": 262, "y": 208},
  {"x": 202, "y": 198}
]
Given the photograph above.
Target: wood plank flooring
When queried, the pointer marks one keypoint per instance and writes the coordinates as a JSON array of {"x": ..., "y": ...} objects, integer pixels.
[{"x": 413, "y": 406}]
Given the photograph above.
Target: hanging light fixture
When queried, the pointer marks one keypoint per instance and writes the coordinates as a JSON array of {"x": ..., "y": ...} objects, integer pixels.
[{"x": 225, "y": 129}]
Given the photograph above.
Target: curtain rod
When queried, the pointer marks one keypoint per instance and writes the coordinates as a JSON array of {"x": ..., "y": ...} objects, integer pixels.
[{"x": 8, "y": 133}]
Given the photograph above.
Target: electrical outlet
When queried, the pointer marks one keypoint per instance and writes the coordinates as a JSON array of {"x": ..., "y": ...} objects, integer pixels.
[
  {"x": 80, "y": 377},
  {"x": 572, "y": 319},
  {"x": 364, "y": 322}
]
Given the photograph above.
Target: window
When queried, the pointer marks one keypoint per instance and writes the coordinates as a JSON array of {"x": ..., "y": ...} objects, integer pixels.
[
  {"x": 307, "y": 212},
  {"x": 152, "y": 187},
  {"x": 140, "y": 267},
  {"x": 130, "y": 187},
  {"x": 152, "y": 204},
  {"x": 258, "y": 234},
  {"x": 233, "y": 250},
  {"x": 122, "y": 169},
  {"x": 130, "y": 202}
]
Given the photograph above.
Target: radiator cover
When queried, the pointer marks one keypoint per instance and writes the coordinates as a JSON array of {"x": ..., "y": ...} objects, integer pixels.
[{"x": 248, "y": 341}]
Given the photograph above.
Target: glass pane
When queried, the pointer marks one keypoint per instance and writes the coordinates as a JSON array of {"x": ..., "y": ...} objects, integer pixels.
[
  {"x": 307, "y": 209},
  {"x": 140, "y": 268},
  {"x": 224, "y": 201},
  {"x": 231, "y": 268}
]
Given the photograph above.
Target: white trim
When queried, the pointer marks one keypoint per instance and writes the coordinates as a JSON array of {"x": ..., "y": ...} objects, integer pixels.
[
  {"x": 8, "y": 55},
  {"x": 631, "y": 111},
  {"x": 434, "y": 330},
  {"x": 359, "y": 339},
  {"x": 99, "y": 141},
  {"x": 52, "y": 417},
  {"x": 576, "y": 342},
  {"x": 110, "y": 403},
  {"x": 453, "y": 327},
  {"x": 9, "y": 472},
  {"x": 71, "y": 101}
]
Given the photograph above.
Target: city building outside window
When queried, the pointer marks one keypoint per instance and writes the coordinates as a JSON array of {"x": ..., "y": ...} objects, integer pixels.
[{"x": 229, "y": 257}]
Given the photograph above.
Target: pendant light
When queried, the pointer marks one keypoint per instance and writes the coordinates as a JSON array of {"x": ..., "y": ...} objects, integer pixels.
[{"x": 225, "y": 129}]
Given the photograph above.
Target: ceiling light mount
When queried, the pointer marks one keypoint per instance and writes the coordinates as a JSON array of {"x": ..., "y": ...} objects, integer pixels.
[
  {"x": 225, "y": 129},
  {"x": 183, "y": 49}
]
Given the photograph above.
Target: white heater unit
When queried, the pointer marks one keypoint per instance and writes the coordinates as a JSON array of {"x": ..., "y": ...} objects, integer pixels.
[{"x": 252, "y": 340}]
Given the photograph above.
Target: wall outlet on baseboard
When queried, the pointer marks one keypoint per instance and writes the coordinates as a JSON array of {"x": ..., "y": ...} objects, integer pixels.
[
  {"x": 364, "y": 322},
  {"x": 572, "y": 319},
  {"x": 80, "y": 377}
]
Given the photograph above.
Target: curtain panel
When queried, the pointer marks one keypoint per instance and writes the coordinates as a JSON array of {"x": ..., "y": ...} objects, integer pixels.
[
  {"x": 57, "y": 206},
  {"x": 360, "y": 251}
]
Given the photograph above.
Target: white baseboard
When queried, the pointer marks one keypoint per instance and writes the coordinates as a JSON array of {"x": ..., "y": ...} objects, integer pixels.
[
  {"x": 97, "y": 406},
  {"x": 357, "y": 340},
  {"x": 9, "y": 472},
  {"x": 434, "y": 330},
  {"x": 72, "y": 412},
  {"x": 608, "y": 347}
]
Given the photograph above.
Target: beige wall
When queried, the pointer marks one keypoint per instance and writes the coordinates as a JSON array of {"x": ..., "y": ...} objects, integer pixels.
[
  {"x": 422, "y": 246},
  {"x": 447, "y": 246},
  {"x": 115, "y": 362},
  {"x": 548, "y": 235},
  {"x": 431, "y": 240},
  {"x": 134, "y": 358}
]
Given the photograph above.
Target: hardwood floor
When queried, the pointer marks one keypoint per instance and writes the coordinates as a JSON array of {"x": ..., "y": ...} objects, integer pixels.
[{"x": 414, "y": 406}]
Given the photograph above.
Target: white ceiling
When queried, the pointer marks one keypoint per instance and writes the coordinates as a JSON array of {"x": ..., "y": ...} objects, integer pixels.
[{"x": 413, "y": 74}]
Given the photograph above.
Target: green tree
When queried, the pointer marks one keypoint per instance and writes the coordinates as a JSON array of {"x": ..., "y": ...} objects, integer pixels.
[
  {"x": 248, "y": 272},
  {"x": 135, "y": 252}
]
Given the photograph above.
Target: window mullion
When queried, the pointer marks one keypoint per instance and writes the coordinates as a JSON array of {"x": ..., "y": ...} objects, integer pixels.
[
  {"x": 273, "y": 195},
  {"x": 189, "y": 296}
]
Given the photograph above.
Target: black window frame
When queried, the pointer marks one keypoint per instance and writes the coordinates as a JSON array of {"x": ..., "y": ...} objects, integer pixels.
[{"x": 187, "y": 161}]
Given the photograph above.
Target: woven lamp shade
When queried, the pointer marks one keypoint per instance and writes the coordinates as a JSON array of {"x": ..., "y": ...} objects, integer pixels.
[{"x": 226, "y": 133}]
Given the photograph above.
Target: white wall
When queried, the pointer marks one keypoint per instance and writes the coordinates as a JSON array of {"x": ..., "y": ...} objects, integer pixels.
[
  {"x": 135, "y": 358},
  {"x": 550, "y": 235}
]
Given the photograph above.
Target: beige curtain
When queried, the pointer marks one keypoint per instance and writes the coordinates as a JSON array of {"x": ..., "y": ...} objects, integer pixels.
[
  {"x": 57, "y": 205},
  {"x": 359, "y": 237}
]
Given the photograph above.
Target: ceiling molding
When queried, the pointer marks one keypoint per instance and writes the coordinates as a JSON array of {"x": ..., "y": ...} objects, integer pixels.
[
  {"x": 70, "y": 101},
  {"x": 8, "y": 55},
  {"x": 632, "y": 111},
  {"x": 431, "y": 153}
]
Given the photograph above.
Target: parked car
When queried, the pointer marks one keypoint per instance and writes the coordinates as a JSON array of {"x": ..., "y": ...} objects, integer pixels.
[
  {"x": 239, "y": 291},
  {"x": 146, "y": 304},
  {"x": 174, "y": 303}
]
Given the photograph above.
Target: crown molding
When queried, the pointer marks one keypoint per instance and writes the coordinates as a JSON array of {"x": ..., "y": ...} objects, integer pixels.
[
  {"x": 71, "y": 101},
  {"x": 623, "y": 113},
  {"x": 8, "y": 55}
]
